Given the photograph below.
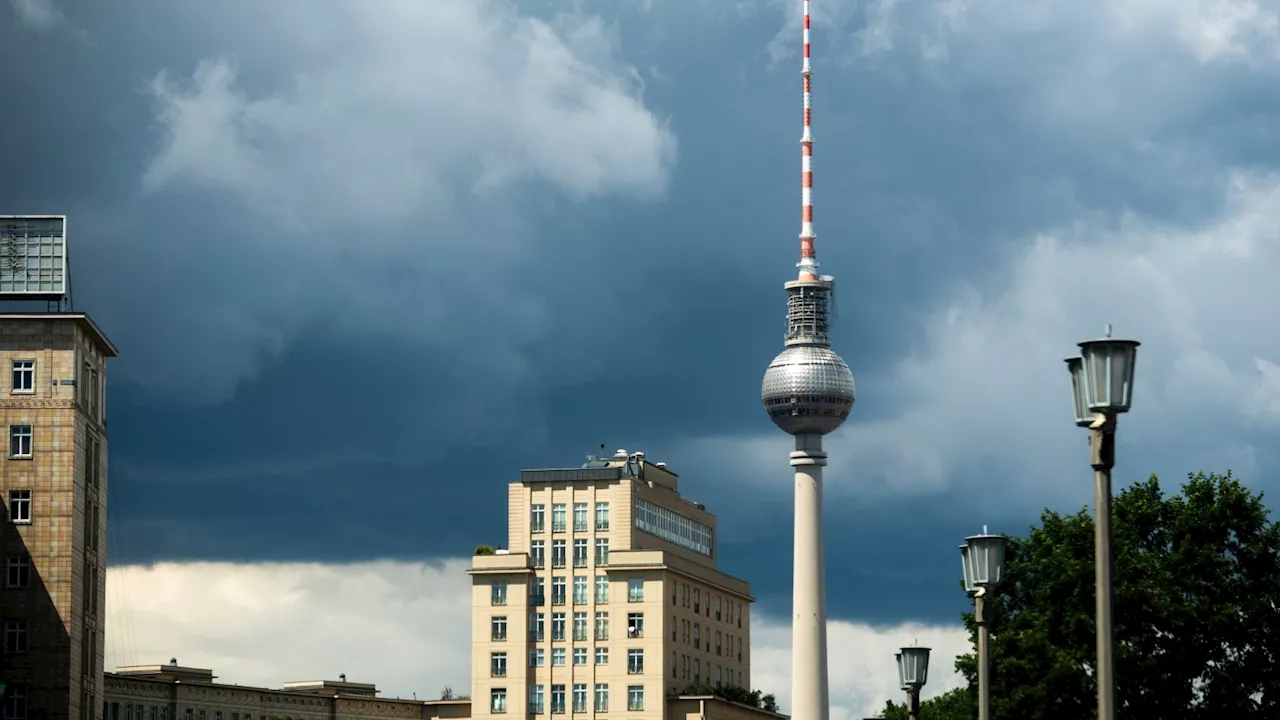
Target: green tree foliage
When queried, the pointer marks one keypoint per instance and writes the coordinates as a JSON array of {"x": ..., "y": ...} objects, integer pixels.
[
  {"x": 958, "y": 704},
  {"x": 1197, "y": 624},
  {"x": 754, "y": 698},
  {"x": 484, "y": 550}
]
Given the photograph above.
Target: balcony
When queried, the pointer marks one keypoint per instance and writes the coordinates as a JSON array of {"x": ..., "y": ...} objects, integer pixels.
[{"x": 496, "y": 564}]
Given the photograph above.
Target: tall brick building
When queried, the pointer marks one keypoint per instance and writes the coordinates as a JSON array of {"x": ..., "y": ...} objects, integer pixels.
[{"x": 53, "y": 479}]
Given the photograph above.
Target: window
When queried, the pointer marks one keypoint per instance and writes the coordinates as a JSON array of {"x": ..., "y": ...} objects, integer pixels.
[
  {"x": 602, "y": 516},
  {"x": 697, "y": 670},
  {"x": 499, "y": 627},
  {"x": 697, "y": 599},
  {"x": 602, "y": 590},
  {"x": 697, "y": 636},
  {"x": 535, "y": 700},
  {"x": 635, "y": 697},
  {"x": 537, "y": 626},
  {"x": 602, "y": 698},
  {"x": 579, "y": 656},
  {"x": 15, "y": 703},
  {"x": 93, "y": 408},
  {"x": 635, "y": 661},
  {"x": 602, "y": 551},
  {"x": 19, "y": 441},
  {"x": 537, "y": 517},
  {"x": 602, "y": 626},
  {"x": 216, "y": 715},
  {"x": 498, "y": 664},
  {"x": 579, "y": 553},
  {"x": 675, "y": 666},
  {"x": 557, "y": 554},
  {"x": 579, "y": 626},
  {"x": 728, "y": 609},
  {"x": 579, "y": 517},
  {"x": 557, "y": 590},
  {"x": 537, "y": 658},
  {"x": 635, "y": 590},
  {"x": 24, "y": 376},
  {"x": 635, "y": 625},
  {"x": 557, "y": 626},
  {"x": 498, "y": 592},
  {"x": 557, "y": 657},
  {"x": 15, "y": 636},
  {"x": 717, "y": 608},
  {"x": 719, "y": 675},
  {"x": 673, "y": 628},
  {"x": 580, "y": 697},
  {"x": 717, "y": 642},
  {"x": 538, "y": 553},
  {"x": 579, "y": 589},
  {"x": 557, "y": 699},
  {"x": 602, "y": 656},
  {"x": 673, "y": 527},
  {"x": 557, "y": 517},
  {"x": 537, "y": 592},
  {"x": 498, "y": 700},
  {"x": 18, "y": 571}
]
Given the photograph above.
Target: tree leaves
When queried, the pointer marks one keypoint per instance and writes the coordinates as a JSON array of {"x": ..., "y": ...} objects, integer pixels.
[{"x": 1197, "y": 583}]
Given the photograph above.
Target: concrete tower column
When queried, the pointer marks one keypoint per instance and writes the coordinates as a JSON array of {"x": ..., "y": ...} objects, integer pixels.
[{"x": 809, "y": 693}]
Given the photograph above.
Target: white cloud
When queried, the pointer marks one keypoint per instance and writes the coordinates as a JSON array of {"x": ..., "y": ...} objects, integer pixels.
[
  {"x": 38, "y": 14},
  {"x": 405, "y": 626},
  {"x": 418, "y": 96},
  {"x": 986, "y": 386}
]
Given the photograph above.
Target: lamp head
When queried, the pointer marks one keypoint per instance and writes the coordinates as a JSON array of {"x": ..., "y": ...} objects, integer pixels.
[{"x": 1107, "y": 372}]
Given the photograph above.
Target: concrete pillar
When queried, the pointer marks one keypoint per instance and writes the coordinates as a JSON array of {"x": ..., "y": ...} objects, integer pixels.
[{"x": 809, "y": 693}]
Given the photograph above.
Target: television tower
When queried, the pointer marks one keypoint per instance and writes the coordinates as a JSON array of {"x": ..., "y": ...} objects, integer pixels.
[{"x": 808, "y": 392}]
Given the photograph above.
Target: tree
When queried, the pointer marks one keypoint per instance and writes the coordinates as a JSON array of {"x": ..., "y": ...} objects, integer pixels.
[
  {"x": 733, "y": 693},
  {"x": 1197, "y": 626},
  {"x": 484, "y": 550},
  {"x": 957, "y": 704},
  {"x": 447, "y": 693}
]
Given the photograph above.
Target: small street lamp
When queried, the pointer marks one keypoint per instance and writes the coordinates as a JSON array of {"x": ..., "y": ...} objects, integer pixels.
[
  {"x": 1101, "y": 389},
  {"x": 913, "y": 673},
  {"x": 983, "y": 559}
]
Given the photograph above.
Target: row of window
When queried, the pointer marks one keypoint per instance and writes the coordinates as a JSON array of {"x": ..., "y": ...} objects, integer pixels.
[
  {"x": 130, "y": 711},
  {"x": 538, "y": 658},
  {"x": 684, "y": 595},
  {"x": 673, "y": 527},
  {"x": 693, "y": 671},
  {"x": 15, "y": 637},
  {"x": 559, "y": 552},
  {"x": 537, "y": 705},
  {"x": 23, "y": 382},
  {"x": 537, "y": 626},
  {"x": 17, "y": 571},
  {"x": 559, "y": 517},
  {"x": 691, "y": 633},
  {"x": 560, "y": 588}
]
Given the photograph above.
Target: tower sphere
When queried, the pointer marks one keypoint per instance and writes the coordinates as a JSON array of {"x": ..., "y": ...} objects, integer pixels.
[{"x": 807, "y": 389}]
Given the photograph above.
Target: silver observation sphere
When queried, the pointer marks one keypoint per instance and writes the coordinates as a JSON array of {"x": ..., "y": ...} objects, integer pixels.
[{"x": 807, "y": 389}]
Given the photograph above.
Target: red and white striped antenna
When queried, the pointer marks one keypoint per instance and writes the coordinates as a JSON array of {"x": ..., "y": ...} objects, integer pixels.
[{"x": 808, "y": 258}]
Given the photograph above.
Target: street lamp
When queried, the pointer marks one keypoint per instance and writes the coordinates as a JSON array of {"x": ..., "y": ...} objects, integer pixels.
[
  {"x": 913, "y": 673},
  {"x": 1101, "y": 389},
  {"x": 983, "y": 560}
]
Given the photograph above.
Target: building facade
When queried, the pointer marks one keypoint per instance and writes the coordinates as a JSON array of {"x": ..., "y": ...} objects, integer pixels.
[
  {"x": 607, "y": 600},
  {"x": 54, "y": 483},
  {"x": 174, "y": 692}
]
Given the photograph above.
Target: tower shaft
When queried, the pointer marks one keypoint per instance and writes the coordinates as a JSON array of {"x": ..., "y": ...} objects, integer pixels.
[{"x": 809, "y": 690}]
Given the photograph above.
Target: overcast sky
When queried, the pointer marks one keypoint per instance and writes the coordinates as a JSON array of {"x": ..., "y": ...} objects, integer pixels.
[{"x": 365, "y": 261}]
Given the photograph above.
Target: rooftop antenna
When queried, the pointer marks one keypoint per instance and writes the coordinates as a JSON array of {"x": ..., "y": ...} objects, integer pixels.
[{"x": 808, "y": 257}]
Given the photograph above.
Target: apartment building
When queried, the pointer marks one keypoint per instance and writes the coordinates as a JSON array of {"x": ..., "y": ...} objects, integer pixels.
[
  {"x": 54, "y": 483},
  {"x": 606, "y": 600},
  {"x": 176, "y": 692}
]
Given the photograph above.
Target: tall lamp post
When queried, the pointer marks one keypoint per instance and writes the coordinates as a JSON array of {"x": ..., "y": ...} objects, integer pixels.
[
  {"x": 913, "y": 673},
  {"x": 983, "y": 560},
  {"x": 1102, "y": 388}
]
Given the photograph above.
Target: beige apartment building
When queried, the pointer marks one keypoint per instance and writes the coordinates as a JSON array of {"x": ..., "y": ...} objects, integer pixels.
[
  {"x": 175, "y": 692},
  {"x": 53, "y": 542},
  {"x": 606, "y": 601}
]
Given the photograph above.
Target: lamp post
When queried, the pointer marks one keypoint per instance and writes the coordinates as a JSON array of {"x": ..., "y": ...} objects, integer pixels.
[
  {"x": 1101, "y": 389},
  {"x": 913, "y": 673},
  {"x": 983, "y": 560}
]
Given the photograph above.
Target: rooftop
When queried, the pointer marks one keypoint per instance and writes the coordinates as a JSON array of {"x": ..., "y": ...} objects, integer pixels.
[{"x": 82, "y": 319}]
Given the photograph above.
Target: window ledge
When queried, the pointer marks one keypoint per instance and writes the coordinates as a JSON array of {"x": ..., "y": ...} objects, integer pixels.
[{"x": 21, "y": 457}]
